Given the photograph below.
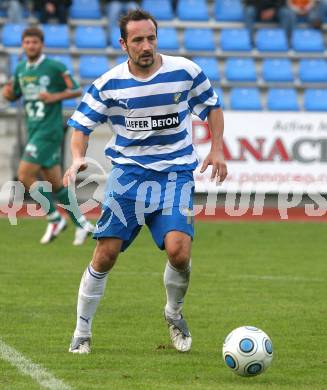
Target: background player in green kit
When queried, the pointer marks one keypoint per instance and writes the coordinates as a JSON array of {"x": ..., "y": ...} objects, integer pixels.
[{"x": 44, "y": 83}]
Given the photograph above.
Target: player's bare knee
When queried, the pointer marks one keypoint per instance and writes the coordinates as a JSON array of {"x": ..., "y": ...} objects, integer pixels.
[
  {"x": 21, "y": 177},
  {"x": 26, "y": 178},
  {"x": 103, "y": 261},
  {"x": 178, "y": 248},
  {"x": 178, "y": 255}
]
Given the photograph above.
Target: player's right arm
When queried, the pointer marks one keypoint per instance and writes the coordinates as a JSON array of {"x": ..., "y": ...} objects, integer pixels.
[
  {"x": 89, "y": 114},
  {"x": 8, "y": 91},
  {"x": 12, "y": 91},
  {"x": 78, "y": 147}
]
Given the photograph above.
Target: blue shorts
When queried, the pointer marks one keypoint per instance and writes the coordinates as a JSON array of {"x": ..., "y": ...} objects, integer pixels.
[{"x": 136, "y": 196}]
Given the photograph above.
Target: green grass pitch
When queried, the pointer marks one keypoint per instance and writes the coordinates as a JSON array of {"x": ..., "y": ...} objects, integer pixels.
[{"x": 271, "y": 275}]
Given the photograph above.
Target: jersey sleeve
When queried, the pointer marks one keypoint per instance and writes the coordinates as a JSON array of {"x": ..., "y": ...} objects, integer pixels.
[
  {"x": 69, "y": 80},
  {"x": 202, "y": 98},
  {"x": 91, "y": 112},
  {"x": 74, "y": 85}
]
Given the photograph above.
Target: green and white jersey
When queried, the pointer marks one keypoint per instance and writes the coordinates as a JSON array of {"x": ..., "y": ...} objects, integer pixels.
[{"x": 46, "y": 75}]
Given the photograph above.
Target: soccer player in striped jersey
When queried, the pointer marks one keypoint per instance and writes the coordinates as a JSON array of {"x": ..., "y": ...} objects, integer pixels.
[{"x": 147, "y": 102}]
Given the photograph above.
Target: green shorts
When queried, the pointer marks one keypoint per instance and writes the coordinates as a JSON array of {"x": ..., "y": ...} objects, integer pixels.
[{"x": 43, "y": 152}]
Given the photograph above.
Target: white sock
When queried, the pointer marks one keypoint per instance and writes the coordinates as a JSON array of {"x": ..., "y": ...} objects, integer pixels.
[
  {"x": 54, "y": 217},
  {"x": 91, "y": 289},
  {"x": 176, "y": 283}
]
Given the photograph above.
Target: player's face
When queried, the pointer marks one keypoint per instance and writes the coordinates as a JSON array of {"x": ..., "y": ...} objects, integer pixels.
[
  {"x": 141, "y": 43},
  {"x": 33, "y": 47}
]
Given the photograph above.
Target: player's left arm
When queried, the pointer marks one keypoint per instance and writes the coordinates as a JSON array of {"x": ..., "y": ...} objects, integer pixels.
[
  {"x": 216, "y": 155},
  {"x": 72, "y": 90}
]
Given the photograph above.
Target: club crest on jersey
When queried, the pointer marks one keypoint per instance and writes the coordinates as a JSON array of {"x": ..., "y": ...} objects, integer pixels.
[
  {"x": 157, "y": 122},
  {"x": 177, "y": 97},
  {"x": 44, "y": 81}
]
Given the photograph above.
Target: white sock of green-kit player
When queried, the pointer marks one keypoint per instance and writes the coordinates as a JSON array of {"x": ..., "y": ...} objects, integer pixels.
[
  {"x": 176, "y": 283},
  {"x": 91, "y": 289}
]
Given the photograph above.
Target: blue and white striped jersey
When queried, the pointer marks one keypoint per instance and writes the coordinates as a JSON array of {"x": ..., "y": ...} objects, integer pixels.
[{"x": 150, "y": 118}]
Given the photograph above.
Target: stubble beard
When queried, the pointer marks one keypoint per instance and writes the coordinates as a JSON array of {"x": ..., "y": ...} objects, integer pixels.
[
  {"x": 33, "y": 57},
  {"x": 138, "y": 62},
  {"x": 146, "y": 65}
]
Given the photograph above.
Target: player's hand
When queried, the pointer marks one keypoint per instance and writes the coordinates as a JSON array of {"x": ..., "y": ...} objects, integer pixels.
[
  {"x": 267, "y": 14},
  {"x": 47, "y": 97},
  {"x": 219, "y": 169},
  {"x": 302, "y": 11},
  {"x": 50, "y": 8},
  {"x": 71, "y": 173},
  {"x": 7, "y": 91}
]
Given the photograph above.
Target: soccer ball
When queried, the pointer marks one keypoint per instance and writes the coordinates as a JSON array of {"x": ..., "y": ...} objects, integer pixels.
[{"x": 247, "y": 351}]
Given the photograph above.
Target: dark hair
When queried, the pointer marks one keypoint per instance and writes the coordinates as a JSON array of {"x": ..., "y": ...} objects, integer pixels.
[
  {"x": 135, "y": 15},
  {"x": 33, "y": 32}
]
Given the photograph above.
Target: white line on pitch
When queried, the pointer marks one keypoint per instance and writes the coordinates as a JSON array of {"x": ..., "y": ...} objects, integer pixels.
[
  {"x": 137, "y": 273},
  {"x": 283, "y": 278},
  {"x": 27, "y": 367}
]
